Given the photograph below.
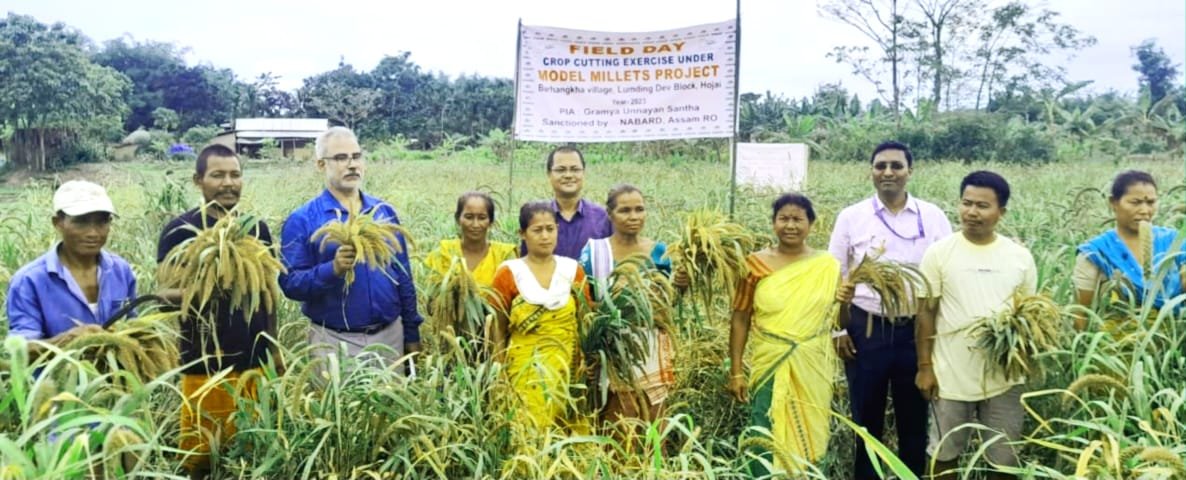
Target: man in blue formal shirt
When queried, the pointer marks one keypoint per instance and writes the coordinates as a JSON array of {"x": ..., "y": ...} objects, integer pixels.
[{"x": 380, "y": 306}]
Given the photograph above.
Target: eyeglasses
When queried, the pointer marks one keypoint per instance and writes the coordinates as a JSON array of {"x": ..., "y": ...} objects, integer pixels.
[
  {"x": 565, "y": 171},
  {"x": 890, "y": 165},
  {"x": 345, "y": 157}
]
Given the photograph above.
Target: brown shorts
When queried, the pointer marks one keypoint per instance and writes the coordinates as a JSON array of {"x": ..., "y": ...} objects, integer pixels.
[{"x": 1001, "y": 414}]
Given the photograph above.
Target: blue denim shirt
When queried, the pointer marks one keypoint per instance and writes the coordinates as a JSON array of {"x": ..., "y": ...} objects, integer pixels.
[
  {"x": 377, "y": 296},
  {"x": 44, "y": 300}
]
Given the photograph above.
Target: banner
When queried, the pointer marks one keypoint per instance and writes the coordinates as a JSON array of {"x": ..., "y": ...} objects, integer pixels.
[
  {"x": 779, "y": 165},
  {"x": 583, "y": 86}
]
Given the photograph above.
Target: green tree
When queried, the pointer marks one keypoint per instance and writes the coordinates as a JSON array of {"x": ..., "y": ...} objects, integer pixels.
[
  {"x": 199, "y": 136},
  {"x": 1160, "y": 121},
  {"x": 761, "y": 116},
  {"x": 479, "y": 104},
  {"x": 1014, "y": 44},
  {"x": 1157, "y": 71},
  {"x": 942, "y": 20},
  {"x": 165, "y": 119},
  {"x": 885, "y": 23},
  {"x": 406, "y": 97},
  {"x": 149, "y": 65},
  {"x": 398, "y": 98},
  {"x": 49, "y": 83},
  {"x": 201, "y": 95},
  {"x": 831, "y": 100},
  {"x": 341, "y": 95},
  {"x": 1052, "y": 102},
  {"x": 264, "y": 98}
]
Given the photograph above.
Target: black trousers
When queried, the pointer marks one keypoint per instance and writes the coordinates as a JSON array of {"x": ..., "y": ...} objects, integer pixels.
[{"x": 885, "y": 364}]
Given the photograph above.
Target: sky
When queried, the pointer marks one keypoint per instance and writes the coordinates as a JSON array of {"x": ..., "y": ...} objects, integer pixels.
[{"x": 784, "y": 42}]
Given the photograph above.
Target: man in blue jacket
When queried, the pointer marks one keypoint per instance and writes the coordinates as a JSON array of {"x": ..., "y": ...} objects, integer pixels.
[{"x": 380, "y": 306}]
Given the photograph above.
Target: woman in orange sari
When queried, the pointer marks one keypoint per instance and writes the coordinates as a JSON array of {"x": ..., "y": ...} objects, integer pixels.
[
  {"x": 536, "y": 336},
  {"x": 785, "y": 303}
]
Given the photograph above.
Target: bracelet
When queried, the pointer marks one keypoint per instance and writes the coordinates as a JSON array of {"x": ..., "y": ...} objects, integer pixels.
[
  {"x": 924, "y": 364},
  {"x": 839, "y": 333}
]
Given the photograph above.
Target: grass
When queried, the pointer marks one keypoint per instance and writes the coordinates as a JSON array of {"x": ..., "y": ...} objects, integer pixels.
[
  {"x": 614, "y": 335},
  {"x": 458, "y": 307},
  {"x": 713, "y": 250},
  {"x": 896, "y": 284},
  {"x": 1013, "y": 338},
  {"x": 326, "y": 418},
  {"x": 145, "y": 346}
]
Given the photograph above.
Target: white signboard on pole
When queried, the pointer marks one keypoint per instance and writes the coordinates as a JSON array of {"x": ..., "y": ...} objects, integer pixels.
[
  {"x": 585, "y": 86},
  {"x": 779, "y": 165}
]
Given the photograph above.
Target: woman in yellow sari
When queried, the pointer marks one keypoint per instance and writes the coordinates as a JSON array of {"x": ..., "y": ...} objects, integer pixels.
[
  {"x": 785, "y": 303},
  {"x": 474, "y": 216},
  {"x": 539, "y": 326}
]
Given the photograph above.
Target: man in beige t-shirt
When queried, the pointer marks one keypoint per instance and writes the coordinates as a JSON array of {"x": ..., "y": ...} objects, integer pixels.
[{"x": 972, "y": 275}]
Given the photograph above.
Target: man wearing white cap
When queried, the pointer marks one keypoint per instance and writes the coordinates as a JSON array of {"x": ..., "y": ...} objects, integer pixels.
[{"x": 75, "y": 286}]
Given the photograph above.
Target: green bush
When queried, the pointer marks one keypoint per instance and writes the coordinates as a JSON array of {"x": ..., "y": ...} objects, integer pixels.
[
  {"x": 852, "y": 140},
  {"x": 139, "y": 137},
  {"x": 270, "y": 150},
  {"x": 967, "y": 137},
  {"x": 106, "y": 129},
  {"x": 200, "y": 136},
  {"x": 83, "y": 151},
  {"x": 1025, "y": 143},
  {"x": 959, "y": 136},
  {"x": 158, "y": 144},
  {"x": 500, "y": 143},
  {"x": 165, "y": 119},
  {"x": 918, "y": 137},
  {"x": 394, "y": 148}
]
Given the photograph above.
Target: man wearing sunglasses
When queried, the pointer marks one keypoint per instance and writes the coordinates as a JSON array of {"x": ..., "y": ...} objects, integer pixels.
[
  {"x": 380, "y": 306},
  {"x": 878, "y": 347}
]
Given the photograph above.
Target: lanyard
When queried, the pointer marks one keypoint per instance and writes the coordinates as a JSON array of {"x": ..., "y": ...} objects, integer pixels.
[{"x": 918, "y": 215}]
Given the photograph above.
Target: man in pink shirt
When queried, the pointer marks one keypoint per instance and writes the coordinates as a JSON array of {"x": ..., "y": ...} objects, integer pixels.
[{"x": 878, "y": 347}]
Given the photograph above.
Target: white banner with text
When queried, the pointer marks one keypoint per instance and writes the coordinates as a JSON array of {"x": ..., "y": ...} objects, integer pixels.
[{"x": 584, "y": 86}]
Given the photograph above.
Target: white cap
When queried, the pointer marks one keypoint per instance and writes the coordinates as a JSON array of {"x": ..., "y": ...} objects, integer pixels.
[{"x": 78, "y": 197}]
